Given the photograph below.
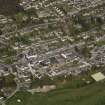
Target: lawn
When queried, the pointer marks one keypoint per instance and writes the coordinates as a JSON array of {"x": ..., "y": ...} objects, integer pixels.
[
  {"x": 9, "y": 7},
  {"x": 100, "y": 43},
  {"x": 92, "y": 94}
]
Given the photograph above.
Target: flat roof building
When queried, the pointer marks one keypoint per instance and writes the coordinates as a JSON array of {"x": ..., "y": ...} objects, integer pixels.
[{"x": 98, "y": 76}]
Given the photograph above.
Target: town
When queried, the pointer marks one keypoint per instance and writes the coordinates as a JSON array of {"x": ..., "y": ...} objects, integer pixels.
[{"x": 50, "y": 38}]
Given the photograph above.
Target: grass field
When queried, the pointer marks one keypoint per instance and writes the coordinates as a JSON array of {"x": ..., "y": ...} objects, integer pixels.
[
  {"x": 9, "y": 7},
  {"x": 70, "y": 93}
]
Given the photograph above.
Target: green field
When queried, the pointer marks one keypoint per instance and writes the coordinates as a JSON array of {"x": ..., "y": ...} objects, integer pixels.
[
  {"x": 100, "y": 43},
  {"x": 91, "y": 94}
]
